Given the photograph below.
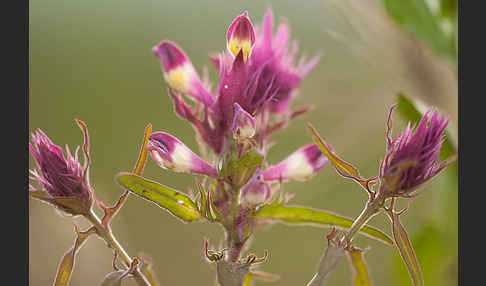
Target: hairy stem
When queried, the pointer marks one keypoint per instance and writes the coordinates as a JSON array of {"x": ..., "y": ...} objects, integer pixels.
[
  {"x": 108, "y": 236},
  {"x": 328, "y": 262},
  {"x": 371, "y": 209},
  {"x": 334, "y": 252},
  {"x": 232, "y": 240}
]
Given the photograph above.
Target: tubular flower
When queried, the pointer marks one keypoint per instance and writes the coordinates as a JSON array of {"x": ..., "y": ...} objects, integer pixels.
[
  {"x": 300, "y": 165},
  {"x": 256, "y": 191},
  {"x": 179, "y": 72},
  {"x": 241, "y": 36},
  {"x": 170, "y": 153},
  {"x": 62, "y": 180},
  {"x": 257, "y": 72},
  {"x": 413, "y": 157},
  {"x": 244, "y": 124}
]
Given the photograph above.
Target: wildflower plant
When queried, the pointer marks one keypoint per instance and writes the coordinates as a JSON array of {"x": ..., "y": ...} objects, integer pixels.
[{"x": 237, "y": 188}]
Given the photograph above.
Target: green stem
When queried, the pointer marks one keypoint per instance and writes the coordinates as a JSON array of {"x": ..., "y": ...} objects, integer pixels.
[
  {"x": 233, "y": 242},
  {"x": 333, "y": 253},
  {"x": 108, "y": 236},
  {"x": 371, "y": 209}
]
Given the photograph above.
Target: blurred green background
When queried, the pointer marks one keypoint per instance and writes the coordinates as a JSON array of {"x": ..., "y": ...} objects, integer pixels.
[{"x": 92, "y": 60}]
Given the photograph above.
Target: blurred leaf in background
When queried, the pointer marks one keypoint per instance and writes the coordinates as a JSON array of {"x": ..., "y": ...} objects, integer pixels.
[{"x": 432, "y": 21}]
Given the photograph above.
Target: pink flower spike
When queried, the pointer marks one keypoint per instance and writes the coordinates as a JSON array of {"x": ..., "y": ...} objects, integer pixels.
[
  {"x": 170, "y": 153},
  {"x": 180, "y": 73},
  {"x": 244, "y": 124},
  {"x": 300, "y": 165},
  {"x": 241, "y": 36},
  {"x": 256, "y": 192}
]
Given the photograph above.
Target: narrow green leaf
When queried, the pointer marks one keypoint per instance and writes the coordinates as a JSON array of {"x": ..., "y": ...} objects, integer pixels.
[
  {"x": 358, "y": 263},
  {"x": 177, "y": 203},
  {"x": 66, "y": 264},
  {"x": 429, "y": 242},
  {"x": 65, "y": 269},
  {"x": 344, "y": 168},
  {"x": 142, "y": 156},
  {"x": 202, "y": 205},
  {"x": 406, "y": 250},
  {"x": 297, "y": 215},
  {"x": 205, "y": 202}
]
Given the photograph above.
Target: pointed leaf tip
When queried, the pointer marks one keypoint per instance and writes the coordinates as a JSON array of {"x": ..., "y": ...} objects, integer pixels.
[
  {"x": 343, "y": 168},
  {"x": 175, "y": 202}
]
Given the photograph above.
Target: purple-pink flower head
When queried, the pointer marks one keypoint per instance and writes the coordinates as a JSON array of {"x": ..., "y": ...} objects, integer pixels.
[
  {"x": 59, "y": 177},
  {"x": 413, "y": 157},
  {"x": 257, "y": 72},
  {"x": 170, "y": 153},
  {"x": 300, "y": 165}
]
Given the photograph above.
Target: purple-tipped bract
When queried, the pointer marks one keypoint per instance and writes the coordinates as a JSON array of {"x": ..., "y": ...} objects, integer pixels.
[
  {"x": 413, "y": 157},
  {"x": 59, "y": 177}
]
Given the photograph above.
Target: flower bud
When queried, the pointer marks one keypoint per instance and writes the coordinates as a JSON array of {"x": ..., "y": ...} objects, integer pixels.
[
  {"x": 170, "y": 153},
  {"x": 256, "y": 192},
  {"x": 179, "y": 72},
  {"x": 241, "y": 36},
  {"x": 300, "y": 165},
  {"x": 413, "y": 157},
  {"x": 61, "y": 178},
  {"x": 244, "y": 124}
]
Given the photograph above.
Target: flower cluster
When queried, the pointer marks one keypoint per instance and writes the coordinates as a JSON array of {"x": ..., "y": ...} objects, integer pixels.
[{"x": 257, "y": 80}]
